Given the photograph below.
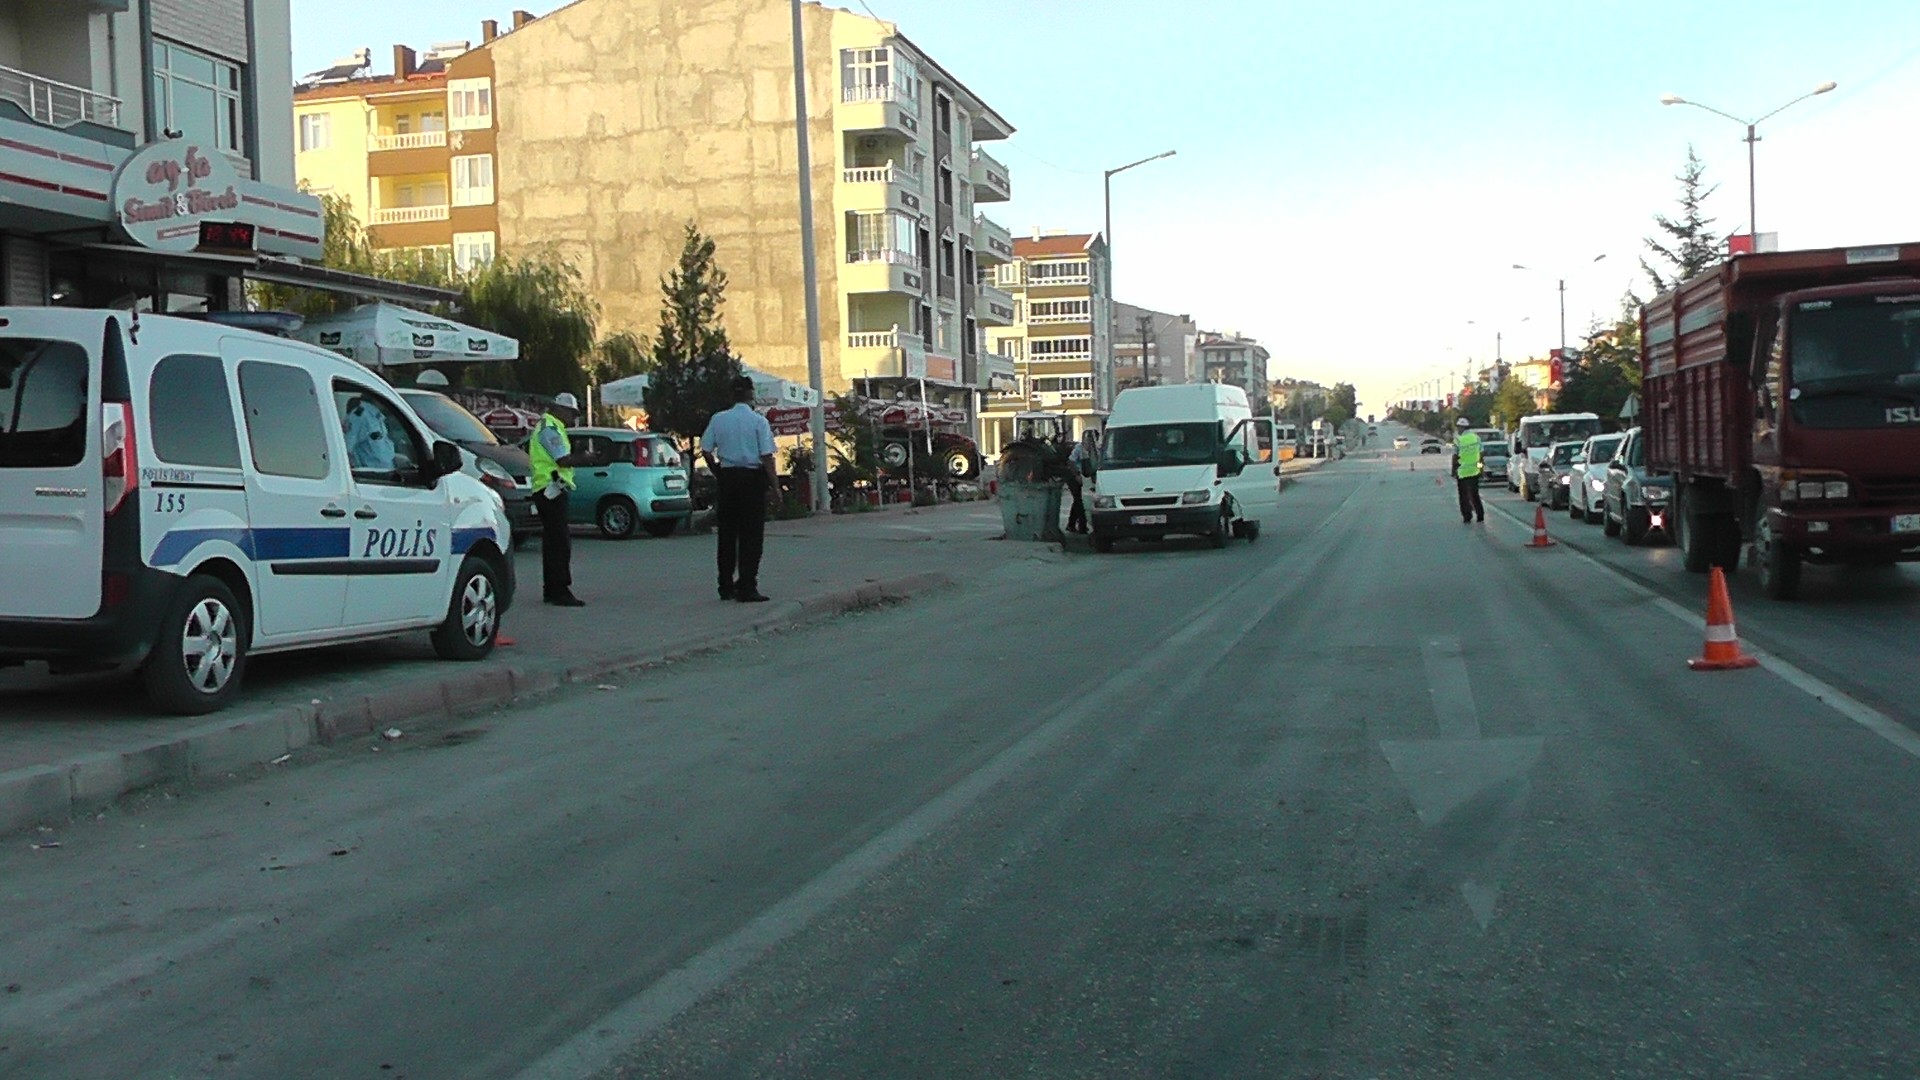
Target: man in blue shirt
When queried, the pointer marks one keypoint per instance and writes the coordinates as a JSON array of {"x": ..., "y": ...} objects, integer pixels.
[{"x": 738, "y": 446}]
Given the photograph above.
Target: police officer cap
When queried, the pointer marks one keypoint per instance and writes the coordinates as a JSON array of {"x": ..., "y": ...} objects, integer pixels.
[
  {"x": 567, "y": 401},
  {"x": 1462, "y": 422}
]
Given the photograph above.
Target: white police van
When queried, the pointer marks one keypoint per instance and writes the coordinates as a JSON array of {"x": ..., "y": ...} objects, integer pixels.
[{"x": 178, "y": 495}]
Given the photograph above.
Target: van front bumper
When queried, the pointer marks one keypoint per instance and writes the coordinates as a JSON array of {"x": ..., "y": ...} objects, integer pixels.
[
  {"x": 115, "y": 637},
  {"x": 1198, "y": 520}
]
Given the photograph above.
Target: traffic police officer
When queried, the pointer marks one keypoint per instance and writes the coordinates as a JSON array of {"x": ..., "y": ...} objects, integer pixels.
[
  {"x": 1466, "y": 473},
  {"x": 551, "y": 452}
]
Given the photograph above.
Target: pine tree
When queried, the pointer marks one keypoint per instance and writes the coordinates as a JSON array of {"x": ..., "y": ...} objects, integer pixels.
[
  {"x": 693, "y": 364},
  {"x": 1690, "y": 245}
]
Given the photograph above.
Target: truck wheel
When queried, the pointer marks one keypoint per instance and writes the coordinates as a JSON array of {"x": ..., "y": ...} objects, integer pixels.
[
  {"x": 1696, "y": 540},
  {"x": 1779, "y": 565},
  {"x": 473, "y": 614},
  {"x": 201, "y": 652},
  {"x": 961, "y": 465},
  {"x": 894, "y": 455},
  {"x": 1221, "y": 527}
]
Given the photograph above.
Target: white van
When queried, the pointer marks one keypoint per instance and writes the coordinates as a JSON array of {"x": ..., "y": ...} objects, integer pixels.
[
  {"x": 1184, "y": 459},
  {"x": 178, "y": 495},
  {"x": 1535, "y": 435}
]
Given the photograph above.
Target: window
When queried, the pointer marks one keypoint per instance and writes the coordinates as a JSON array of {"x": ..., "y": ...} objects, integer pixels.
[
  {"x": 43, "y": 403},
  {"x": 192, "y": 413},
  {"x": 946, "y": 184},
  {"x": 971, "y": 341},
  {"x": 1060, "y": 310},
  {"x": 284, "y": 427},
  {"x": 382, "y": 447},
  {"x": 470, "y": 103},
  {"x": 878, "y": 74},
  {"x": 316, "y": 131},
  {"x": 197, "y": 95},
  {"x": 1014, "y": 348},
  {"x": 473, "y": 180},
  {"x": 1058, "y": 273},
  {"x": 943, "y": 113},
  {"x": 433, "y": 120},
  {"x": 926, "y": 323},
  {"x": 1061, "y": 347},
  {"x": 1065, "y": 384},
  {"x": 472, "y": 250},
  {"x": 946, "y": 258},
  {"x": 882, "y": 237}
]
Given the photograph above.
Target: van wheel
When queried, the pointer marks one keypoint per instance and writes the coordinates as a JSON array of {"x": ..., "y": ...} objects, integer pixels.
[
  {"x": 617, "y": 518},
  {"x": 201, "y": 653},
  {"x": 1221, "y": 527},
  {"x": 1250, "y": 531},
  {"x": 473, "y": 614},
  {"x": 1103, "y": 544},
  {"x": 662, "y": 527}
]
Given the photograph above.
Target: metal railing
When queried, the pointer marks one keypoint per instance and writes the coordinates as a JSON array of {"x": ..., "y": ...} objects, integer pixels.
[
  {"x": 883, "y": 255},
  {"x": 882, "y": 92},
  {"x": 408, "y": 215},
  {"x": 989, "y": 172},
  {"x": 55, "y": 103},
  {"x": 874, "y": 174},
  {"x": 874, "y": 339},
  {"x": 412, "y": 140}
]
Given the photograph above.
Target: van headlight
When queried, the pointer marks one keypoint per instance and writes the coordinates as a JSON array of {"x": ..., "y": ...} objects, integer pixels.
[
  {"x": 1195, "y": 498},
  {"x": 1104, "y": 502}
]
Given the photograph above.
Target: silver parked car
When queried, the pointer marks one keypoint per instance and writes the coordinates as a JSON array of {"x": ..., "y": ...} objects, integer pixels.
[
  {"x": 1635, "y": 503},
  {"x": 1588, "y": 480}
]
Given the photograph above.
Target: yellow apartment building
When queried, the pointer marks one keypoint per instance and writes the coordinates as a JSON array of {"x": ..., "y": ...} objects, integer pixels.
[
  {"x": 1058, "y": 339},
  {"x": 624, "y": 120},
  {"x": 415, "y": 152}
]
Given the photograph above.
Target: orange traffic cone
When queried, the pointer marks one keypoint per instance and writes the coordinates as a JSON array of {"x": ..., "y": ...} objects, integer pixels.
[
  {"x": 1540, "y": 537},
  {"x": 1723, "y": 644}
]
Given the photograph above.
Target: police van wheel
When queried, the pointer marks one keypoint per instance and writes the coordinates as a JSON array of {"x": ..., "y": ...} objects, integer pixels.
[
  {"x": 473, "y": 615},
  {"x": 201, "y": 653},
  {"x": 617, "y": 519}
]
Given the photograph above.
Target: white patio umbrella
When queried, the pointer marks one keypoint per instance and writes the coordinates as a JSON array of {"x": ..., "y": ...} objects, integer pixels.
[
  {"x": 381, "y": 334},
  {"x": 632, "y": 390}
]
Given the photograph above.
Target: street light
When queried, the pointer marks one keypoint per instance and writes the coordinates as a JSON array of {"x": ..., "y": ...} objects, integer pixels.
[
  {"x": 809, "y": 272},
  {"x": 1563, "y": 301},
  {"x": 1106, "y": 196},
  {"x": 1753, "y": 216}
]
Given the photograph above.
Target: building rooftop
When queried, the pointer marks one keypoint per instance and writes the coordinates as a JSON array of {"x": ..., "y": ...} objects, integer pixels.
[{"x": 1041, "y": 247}]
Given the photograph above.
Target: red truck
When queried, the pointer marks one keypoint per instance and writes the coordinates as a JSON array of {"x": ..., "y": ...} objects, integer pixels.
[{"x": 1781, "y": 391}]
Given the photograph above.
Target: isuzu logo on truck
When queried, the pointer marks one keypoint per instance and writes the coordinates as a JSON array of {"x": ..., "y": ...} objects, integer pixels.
[{"x": 1903, "y": 414}]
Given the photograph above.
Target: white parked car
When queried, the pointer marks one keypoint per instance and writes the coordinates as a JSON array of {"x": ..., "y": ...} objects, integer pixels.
[
  {"x": 1587, "y": 500},
  {"x": 177, "y": 495}
]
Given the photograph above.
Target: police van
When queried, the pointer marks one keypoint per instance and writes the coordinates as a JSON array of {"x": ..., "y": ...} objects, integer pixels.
[{"x": 177, "y": 495}]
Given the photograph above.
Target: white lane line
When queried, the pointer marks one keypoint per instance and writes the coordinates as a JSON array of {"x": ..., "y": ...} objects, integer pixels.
[
  {"x": 601, "y": 1044},
  {"x": 1452, "y": 693},
  {"x": 1893, "y": 731}
]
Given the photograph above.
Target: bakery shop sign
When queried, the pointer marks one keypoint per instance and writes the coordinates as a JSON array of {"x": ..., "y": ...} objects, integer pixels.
[{"x": 166, "y": 189}]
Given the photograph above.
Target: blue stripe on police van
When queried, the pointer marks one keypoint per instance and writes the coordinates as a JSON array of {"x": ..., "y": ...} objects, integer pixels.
[
  {"x": 260, "y": 544},
  {"x": 464, "y": 539}
]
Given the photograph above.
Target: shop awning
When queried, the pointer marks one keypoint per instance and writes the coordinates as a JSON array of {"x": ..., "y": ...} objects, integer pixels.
[
  {"x": 383, "y": 335},
  {"x": 281, "y": 271},
  {"x": 631, "y": 391}
]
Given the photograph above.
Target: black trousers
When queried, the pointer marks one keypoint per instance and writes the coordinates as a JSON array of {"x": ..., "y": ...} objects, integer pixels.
[
  {"x": 556, "y": 546},
  {"x": 1077, "y": 513},
  {"x": 1470, "y": 506},
  {"x": 742, "y": 520}
]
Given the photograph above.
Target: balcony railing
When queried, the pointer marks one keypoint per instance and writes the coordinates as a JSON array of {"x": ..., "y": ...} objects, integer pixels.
[
  {"x": 885, "y": 92},
  {"x": 409, "y": 215},
  {"x": 412, "y": 140},
  {"x": 991, "y": 239},
  {"x": 1043, "y": 316},
  {"x": 889, "y": 173},
  {"x": 55, "y": 103},
  {"x": 913, "y": 351},
  {"x": 883, "y": 255},
  {"x": 991, "y": 182},
  {"x": 994, "y": 301}
]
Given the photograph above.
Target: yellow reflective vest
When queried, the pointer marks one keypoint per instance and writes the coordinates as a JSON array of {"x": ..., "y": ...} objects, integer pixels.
[
  {"x": 545, "y": 465},
  {"x": 1467, "y": 446}
]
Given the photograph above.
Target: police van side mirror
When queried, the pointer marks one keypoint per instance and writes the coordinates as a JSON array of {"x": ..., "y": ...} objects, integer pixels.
[{"x": 446, "y": 459}]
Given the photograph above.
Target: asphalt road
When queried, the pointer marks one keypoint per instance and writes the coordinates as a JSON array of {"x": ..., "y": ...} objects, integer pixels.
[{"x": 1380, "y": 795}]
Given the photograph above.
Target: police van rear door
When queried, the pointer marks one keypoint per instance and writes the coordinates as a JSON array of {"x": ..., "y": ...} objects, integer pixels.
[{"x": 54, "y": 490}]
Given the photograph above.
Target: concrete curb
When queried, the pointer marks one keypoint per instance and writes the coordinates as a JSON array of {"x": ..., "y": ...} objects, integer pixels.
[{"x": 56, "y": 794}]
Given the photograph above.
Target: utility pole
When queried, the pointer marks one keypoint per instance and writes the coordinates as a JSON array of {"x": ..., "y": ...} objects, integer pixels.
[
  {"x": 810, "y": 273},
  {"x": 1146, "y": 331}
]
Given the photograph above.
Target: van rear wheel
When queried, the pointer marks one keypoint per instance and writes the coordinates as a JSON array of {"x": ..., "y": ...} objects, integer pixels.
[{"x": 201, "y": 654}]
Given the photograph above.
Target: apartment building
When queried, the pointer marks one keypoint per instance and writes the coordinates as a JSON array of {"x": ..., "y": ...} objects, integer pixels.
[
  {"x": 1058, "y": 340},
  {"x": 1231, "y": 358},
  {"x": 127, "y": 125},
  {"x": 1169, "y": 342},
  {"x": 625, "y": 120},
  {"x": 416, "y": 151}
]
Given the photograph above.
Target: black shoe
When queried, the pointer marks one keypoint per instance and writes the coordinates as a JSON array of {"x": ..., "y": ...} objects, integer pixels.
[
  {"x": 1482, "y": 520},
  {"x": 751, "y": 596},
  {"x": 1466, "y": 521},
  {"x": 566, "y": 600},
  {"x": 726, "y": 592}
]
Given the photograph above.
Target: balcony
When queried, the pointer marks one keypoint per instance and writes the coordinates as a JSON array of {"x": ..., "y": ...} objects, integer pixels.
[
  {"x": 884, "y": 270},
  {"x": 409, "y": 215},
  {"x": 55, "y": 103},
  {"x": 412, "y": 140},
  {"x": 992, "y": 243},
  {"x": 885, "y": 108},
  {"x": 884, "y": 354},
  {"x": 1043, "y": 312},
  {"x": 992, "y": 306},
  {"x": 990, "y": 179},
  {"x": 882, "y": 187}
]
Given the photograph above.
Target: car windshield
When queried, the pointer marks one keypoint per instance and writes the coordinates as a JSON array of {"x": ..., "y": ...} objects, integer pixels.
[
  {"x": 1602, "y": 451},
  {"x": 1563, "y": 453},
  {"x": 448, "y": 419},
  {"x": 1148, "y": 445}
]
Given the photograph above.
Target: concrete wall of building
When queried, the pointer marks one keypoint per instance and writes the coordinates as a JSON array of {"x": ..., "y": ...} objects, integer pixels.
[
  {"x": 50, "y": 40},
  {"x": 622, "y": 122},
  {"x": 339, "y": 168},
  {"x": 218, "y": 26}
]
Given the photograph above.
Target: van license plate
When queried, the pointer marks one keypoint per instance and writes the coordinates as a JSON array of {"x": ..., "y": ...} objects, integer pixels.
[
  {"x": 1161, "y": 519},
  {"x": 1906, "y": 523}
]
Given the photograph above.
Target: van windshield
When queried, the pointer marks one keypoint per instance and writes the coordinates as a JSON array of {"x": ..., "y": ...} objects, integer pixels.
[
  {"x": 1146, "y": 446},
  {"x": 1544, "y": 433},
  {"x": 43, "y": 403}
]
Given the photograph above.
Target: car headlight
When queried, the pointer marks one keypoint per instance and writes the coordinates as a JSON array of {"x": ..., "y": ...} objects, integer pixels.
[
  {"x": 1597, "y": 484},
  {"x": 1656, "y": 491},
  {"x": 1104, "y": 502},
  {"x": 1836, "y": 489},
  {"x": 1566, "y": 481},
  {"x": 1195, "y": 498}
]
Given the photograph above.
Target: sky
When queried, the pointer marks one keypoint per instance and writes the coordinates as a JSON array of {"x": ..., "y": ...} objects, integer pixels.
[{"x": 1354, "y": 181}]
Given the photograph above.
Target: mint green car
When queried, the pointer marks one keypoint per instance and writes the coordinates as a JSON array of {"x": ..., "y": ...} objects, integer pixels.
[{"x": 643, "y": 484}]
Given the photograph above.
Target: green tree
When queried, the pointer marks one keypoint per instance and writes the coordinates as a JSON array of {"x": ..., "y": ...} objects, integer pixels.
[
  {"x": 1689, "y": 245},
  {"x": 1607, "y": 369},
  {"x": 346, "y": 246},
  {"x": 1512, "y": 401},
  {"x": 693, "y": 364},
  {"x": 1477, "y": 407},
  {"x": 541, "y": 302},
  {"x": 620, "y": 354},
  {"x": 1344, "y": 397}
]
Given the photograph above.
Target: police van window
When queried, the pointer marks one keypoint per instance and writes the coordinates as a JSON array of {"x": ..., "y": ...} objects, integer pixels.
[
  {"x": 43, "y": 403},
  {"x": 192, "y": 413},
  {"x": 381, "y": 446},
  {"x": 284, "y": 426}
]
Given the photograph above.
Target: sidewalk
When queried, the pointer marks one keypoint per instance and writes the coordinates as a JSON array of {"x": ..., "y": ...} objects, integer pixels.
[{"x": 69, "y": 745}]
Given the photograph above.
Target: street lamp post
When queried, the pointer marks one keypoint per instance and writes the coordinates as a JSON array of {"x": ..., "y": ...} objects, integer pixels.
[
  {"x": 809, "y": 272},
  {"x": 1563, "y": 302},
  {"x": 1106, "y": 199},
  {"x": 1753, "y": 215}
]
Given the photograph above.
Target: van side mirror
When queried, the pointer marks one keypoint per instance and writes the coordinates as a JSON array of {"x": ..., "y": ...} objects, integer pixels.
[
  {"x": 1231, "y": 464},
  {"x": 446, "y": 458}
]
